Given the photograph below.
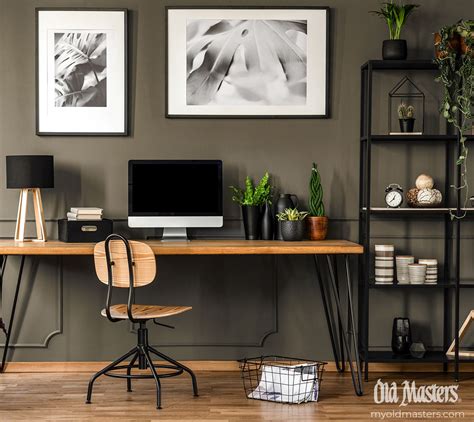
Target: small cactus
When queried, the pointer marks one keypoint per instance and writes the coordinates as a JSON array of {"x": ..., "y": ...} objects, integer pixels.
[
  {"x": 406, "y": 112},
  {"x": 316, "y": 205}
]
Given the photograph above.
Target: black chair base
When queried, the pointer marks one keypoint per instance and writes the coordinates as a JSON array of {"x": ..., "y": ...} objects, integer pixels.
[{"x": 142, "y": 352}]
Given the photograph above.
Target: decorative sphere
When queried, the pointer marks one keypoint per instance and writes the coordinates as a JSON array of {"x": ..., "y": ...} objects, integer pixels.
[
  {"x": 424, "y": 181},
  {"x": 429, "y": 197},
  {"x": 412, "y": 197}
]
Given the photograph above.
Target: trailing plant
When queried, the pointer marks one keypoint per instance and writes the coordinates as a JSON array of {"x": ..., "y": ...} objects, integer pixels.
[
  {"x": 316, "y": 205},
  {"x": 395, "y": 15},
  {"x": 455, "y": 60},
  {"x": 291, "y": 214},
  {"x": 406, "y": 112},
  {"x": 251, "y": 195}
]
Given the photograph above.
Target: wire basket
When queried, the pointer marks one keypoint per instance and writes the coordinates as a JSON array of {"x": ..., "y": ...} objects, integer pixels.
[{"x": 282, "y": 379}]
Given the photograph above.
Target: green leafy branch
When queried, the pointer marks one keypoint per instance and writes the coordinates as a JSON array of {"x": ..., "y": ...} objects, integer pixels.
[
  {"x": 395, "y": 15},
  {"x": 251, "y": 195}
]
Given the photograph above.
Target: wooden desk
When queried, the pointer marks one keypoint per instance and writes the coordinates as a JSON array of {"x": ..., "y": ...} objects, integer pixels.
[{"x": 331, "y": 249}]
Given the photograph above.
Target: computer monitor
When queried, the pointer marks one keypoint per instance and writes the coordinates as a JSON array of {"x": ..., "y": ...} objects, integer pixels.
[{"x": 174, "y": 195}]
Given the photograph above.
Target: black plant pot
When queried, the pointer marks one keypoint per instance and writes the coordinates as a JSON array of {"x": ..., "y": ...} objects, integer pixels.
[
  {"x": 293, "y": 230},
  {"x": 267, "y": 222},
  {"x": 401, "y": 336},
  {"x": 251, "y": 217},
  {"x": 394, "y": 50},
  {"x": 407, "y": 125}
]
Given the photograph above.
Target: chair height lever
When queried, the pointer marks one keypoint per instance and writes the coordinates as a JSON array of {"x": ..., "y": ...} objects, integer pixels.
[{"x": 163, "y": 325}]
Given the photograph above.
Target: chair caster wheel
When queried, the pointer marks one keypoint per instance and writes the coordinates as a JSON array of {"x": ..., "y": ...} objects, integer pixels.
[{"x": 88, "y": 402}]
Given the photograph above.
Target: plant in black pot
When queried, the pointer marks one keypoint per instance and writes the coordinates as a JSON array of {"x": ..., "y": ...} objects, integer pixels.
[
  {"x": 292, "y": 224},
  {"x": 406, "y": 118},
  {"x": 395, "y": 15},
  {"x": 251, "y": 200}
]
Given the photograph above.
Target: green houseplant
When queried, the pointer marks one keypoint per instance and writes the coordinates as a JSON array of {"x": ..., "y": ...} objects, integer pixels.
[
  {"x": 251, "y": 199},
  {"x": 454, "y": 48},
  {"x": 292, "y": 224},
  {"x": 406, "y": 117},
  {"x": 317, "y": 222},
  {"x": 395, "y": 15}
]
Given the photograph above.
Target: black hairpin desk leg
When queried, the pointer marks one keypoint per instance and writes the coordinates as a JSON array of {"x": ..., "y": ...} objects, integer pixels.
[
  {"x": 349, "y": 339},
  {"x": 13, "y": 310}
]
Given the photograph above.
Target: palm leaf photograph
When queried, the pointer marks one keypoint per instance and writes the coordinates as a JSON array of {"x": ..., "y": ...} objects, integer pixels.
[
  {"x": 238, "y": 62},
  {"x": 80, "y": 69}
]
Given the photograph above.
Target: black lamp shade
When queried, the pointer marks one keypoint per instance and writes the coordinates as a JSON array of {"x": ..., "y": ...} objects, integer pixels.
[{"x": 30, "y": 171}]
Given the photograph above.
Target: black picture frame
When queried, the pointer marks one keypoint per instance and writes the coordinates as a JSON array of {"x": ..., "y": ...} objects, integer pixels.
[
  {"x": 327, "y": 113},
  {"x": 125, "y": 132}
]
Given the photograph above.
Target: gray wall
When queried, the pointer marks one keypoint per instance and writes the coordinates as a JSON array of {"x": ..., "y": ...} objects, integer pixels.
[{"x": 236, "y": 299}]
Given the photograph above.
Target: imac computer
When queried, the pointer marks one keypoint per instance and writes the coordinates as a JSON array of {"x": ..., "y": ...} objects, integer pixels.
[{"x": 174, "y": 195}]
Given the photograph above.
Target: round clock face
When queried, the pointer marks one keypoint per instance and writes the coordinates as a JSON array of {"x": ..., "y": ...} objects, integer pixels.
[{"x": 394, "y": 199}]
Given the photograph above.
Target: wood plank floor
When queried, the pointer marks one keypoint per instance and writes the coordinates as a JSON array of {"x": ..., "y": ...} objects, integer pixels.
[{"x": 60, "y": 397}]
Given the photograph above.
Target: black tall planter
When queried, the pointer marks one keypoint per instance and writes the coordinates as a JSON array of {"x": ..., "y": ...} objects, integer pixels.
[
  {"x": 394, "y": 50},
  {"x": 251, "y": 217},
  {"x": 267, "y": 222},
  {"x": 401, "y": 336}
]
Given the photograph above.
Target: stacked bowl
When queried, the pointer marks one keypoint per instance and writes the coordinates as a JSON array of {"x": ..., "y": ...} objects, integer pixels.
[
  {"x": 417, "y": 273},
  {"x": 431, "y": 270},
  {"x": 384, "y": 264},
  {"x": 402, "y": 268}
]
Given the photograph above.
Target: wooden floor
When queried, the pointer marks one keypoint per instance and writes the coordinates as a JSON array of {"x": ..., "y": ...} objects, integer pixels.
[{"x": 60, "y": 396}]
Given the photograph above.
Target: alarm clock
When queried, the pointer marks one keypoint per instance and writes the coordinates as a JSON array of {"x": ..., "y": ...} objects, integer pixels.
[{"x": 393, "y": 195}]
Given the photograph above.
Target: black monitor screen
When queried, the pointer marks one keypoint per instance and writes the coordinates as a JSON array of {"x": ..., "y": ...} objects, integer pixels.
[{"x": 181, "y": 188}]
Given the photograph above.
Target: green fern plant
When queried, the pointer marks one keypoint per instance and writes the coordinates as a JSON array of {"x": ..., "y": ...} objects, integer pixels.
[
  {"x": 316, "y": 205},
  {"x": 291, "y": 214},
  {"x": 253, "y": 196}
]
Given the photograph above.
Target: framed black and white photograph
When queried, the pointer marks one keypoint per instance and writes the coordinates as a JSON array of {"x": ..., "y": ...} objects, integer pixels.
[
  {"x": 247, "y": 62},
  {"x": 81, "y": 71}
]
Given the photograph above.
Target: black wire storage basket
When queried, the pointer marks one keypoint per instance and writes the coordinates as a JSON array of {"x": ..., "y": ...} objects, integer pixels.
[{"x": 282, "y": 379}]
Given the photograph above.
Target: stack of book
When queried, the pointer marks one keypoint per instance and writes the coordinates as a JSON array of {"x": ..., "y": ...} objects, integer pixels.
[{"x": 84, "y": 213}]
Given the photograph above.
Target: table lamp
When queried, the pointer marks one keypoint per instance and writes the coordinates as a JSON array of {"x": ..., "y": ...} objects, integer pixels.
[{"x": 30, "y": 173}]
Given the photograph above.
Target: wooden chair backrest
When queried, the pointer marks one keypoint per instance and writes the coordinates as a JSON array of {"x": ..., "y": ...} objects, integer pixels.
[{"x": 144, "y": 268}]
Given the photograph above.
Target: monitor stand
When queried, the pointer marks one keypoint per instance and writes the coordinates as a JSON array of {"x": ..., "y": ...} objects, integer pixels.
[{"x": 175, "y": 234}]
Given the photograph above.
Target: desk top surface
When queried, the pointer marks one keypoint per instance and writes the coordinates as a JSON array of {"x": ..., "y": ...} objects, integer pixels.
[{"x": 193, "y": 247}]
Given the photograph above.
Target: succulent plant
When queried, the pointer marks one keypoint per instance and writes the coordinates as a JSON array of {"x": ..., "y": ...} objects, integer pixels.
[
  {"x": 406, "y": 111},
  {"x": 291, "y": 214},
  {"x": 316, "y": 205}
]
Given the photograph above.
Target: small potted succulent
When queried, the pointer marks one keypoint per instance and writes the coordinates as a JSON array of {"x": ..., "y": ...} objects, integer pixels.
[
  {"x": 406, "y": 118},
  {"x": 317, "y": 222},
  {"x": 395, "y": 15},
  {"x": 251, "y": 200},
  {"x": 292, "y": 224}
]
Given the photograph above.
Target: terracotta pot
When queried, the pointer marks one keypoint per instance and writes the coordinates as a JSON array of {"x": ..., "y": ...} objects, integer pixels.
[
  {"x": 456, "y": 43},
  {"x": 317, "y": 227}
]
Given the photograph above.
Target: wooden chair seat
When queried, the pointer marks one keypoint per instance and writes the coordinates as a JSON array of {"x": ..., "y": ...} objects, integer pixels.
[{"x": 145, "y": 311}]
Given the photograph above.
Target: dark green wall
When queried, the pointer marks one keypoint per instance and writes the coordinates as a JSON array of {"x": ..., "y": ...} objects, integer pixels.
[{"x": 234, "y": 298}]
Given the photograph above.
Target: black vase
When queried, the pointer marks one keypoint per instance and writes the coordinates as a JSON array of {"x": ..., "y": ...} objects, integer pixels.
[
  {"x": 267, "y": 222},
  {"x": 401, "y": 336},
  {"x": 407, "y": 125},
  {"x": 284, "y": 201},
  {"x": 394, "y": 50},
  {"x": 251, "y": 217},
  {"x": 293, "y": 230}
]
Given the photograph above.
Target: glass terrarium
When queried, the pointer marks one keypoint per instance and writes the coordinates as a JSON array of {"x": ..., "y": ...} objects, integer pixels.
[{"x": 406, "y": 109}]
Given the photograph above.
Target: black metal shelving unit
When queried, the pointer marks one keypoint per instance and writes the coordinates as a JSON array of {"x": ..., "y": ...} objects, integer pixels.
[{"x": 449, "y": 283}]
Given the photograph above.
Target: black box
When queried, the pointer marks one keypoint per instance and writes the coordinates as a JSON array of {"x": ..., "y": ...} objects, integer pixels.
[{"x": 84, "y": 231}]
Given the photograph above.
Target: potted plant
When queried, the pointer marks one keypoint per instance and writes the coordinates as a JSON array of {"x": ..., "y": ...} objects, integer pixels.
[
  {"x": 395, "y": 15},
  {"x": 454, "y": 48},
  {"x": 251, "y": 199},
  {"x": 292, "y": 224},
  {"x": 317, "y": 222},
  {"x": 406, "y": 118}
]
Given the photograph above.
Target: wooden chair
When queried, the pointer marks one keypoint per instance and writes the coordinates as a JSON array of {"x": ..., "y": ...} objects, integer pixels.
[{"x": 130, "y": 264}]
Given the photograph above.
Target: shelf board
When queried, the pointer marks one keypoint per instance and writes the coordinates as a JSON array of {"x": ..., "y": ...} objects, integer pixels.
[
  {"x": 389, "y": 356},
  {"x": 414, "y": 138},
  {"x": 439, "y": 285},
  {"x": 406, "y": 211},
  {"x": 426, "y": 64}
]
